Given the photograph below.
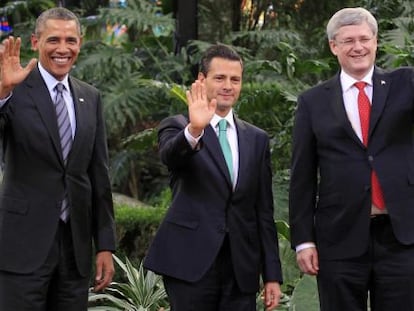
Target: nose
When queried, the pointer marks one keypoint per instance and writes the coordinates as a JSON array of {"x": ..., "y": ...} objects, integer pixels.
[
  {"x": 227, "y": 84},
  {"x": 62, "y": 46},
  {"x": 358, "y": 44}
]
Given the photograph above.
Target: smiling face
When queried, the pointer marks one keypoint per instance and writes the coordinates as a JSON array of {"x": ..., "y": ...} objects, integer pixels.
[
  {"x": 223, "y": 82},
  {"x": 355, "y": 46},
  {"x": 58, "y": 45}
]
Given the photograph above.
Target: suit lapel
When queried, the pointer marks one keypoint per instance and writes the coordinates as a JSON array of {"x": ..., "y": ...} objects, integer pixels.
[
  {"x": 334, "y": 89},
  {"x": 212, "y": 146},
  {"x": 245, "y": 150},
  {"x": 38, "y": 90},
  {"x": 81, "y": 117},
  {"x": 381, "y": 85}
]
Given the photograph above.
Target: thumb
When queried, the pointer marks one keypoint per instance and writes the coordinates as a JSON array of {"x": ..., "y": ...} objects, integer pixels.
[
  {"x": 32, "y": 63},
  {"x": 213, "y": 105}
]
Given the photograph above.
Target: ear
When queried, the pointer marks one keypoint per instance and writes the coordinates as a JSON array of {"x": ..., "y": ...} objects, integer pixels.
[
  {"x": 34, "y": 41},
  {"x": 201, "y": 76},
  {"x": 333, "y": 47}
]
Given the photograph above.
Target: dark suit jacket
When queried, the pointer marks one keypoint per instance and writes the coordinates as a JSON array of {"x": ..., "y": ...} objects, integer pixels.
[
  {"x": 35, "y": 177},
  {"x": 330, "y": 192},
  {"x": 204, "y": 207}
]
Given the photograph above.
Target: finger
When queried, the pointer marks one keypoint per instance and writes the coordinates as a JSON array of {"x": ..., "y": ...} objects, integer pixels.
[
  {"x": 6, "y": 47},
  {"x": 274, "y": 303},
  {"x": 98, "y": 273},
  {"x": 203, "y": 92},
  {"x": 315, "y": 263},
  {"x": 189, "y": 97},
  {"x": 104, "y": 281},
  {"x": 16, "y": 47},
  {"x": 269, "y": 297},
  {"x": 196, "y": 91}
]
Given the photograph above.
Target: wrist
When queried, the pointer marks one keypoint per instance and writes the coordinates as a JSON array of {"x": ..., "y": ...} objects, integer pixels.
[{"x": 194, "y": 131}]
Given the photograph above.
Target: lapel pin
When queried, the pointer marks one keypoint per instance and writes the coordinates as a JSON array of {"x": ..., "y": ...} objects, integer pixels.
[
  {"x": 382, "y": 82},
  {"x": 81, "y": 100}
]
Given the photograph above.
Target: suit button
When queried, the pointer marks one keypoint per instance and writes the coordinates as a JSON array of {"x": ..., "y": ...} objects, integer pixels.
[{"x": 370, "y": 158}]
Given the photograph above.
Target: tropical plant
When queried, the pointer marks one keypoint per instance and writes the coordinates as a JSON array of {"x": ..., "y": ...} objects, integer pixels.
[{"x": 143, "y": 291}]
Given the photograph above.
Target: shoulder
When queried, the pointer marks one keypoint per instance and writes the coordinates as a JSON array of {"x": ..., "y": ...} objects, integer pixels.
[
  {"x": 402, "y": 77},
  {"x": 246, "y": 126},
  {"x": 178, "y": 120},
  {"x": 321, "y": 88},
  {"x": 82, "y": 85}
]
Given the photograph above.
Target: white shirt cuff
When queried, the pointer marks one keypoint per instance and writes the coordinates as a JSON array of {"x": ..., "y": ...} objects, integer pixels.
[
  {"x": 191, "y": 140},
  {"x": 303, "y": 246}
]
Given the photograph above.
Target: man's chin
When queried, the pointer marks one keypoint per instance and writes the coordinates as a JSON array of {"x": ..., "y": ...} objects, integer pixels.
[{"x": 224, "y": 106}]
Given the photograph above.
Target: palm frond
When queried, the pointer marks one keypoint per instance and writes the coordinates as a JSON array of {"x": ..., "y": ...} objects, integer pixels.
[{"x": 143, "y": 290}]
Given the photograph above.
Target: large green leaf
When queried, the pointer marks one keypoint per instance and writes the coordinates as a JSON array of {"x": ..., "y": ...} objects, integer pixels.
[{"x": 305, "y": 295}]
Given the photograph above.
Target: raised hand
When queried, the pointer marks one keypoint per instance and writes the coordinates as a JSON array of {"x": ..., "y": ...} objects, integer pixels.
[
  {"x": 200, "y": 108},
  {"x": 11, "y": 71}
]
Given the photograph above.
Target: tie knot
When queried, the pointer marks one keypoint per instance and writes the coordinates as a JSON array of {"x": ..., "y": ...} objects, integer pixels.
[
  {"x": 360, "y": 85},
  {"x": 222, "y": 125},
  {"x": 59, "y": 87}
]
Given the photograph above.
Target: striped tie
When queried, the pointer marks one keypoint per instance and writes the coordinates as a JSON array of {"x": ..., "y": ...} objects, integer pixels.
[{"x": 65, "y": 133}]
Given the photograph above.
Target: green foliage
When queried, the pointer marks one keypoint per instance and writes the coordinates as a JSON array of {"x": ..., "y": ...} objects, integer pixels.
[
  {"x": 143, "y": 291},
  {"x": 271, "y": 108},
  {"x": 305, "y": 295},
  {"x": 135, "y": 229}
]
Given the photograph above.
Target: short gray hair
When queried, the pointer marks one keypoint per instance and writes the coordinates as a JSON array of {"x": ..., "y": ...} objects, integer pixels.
[
  {"x": 350, "y": 16},
  {"x": 58, "y": 13}
]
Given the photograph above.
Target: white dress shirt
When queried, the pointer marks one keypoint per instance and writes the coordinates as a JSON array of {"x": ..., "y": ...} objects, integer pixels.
[
  {"x": 51, "y": 83},
  {"x": 231, "y": 137}
]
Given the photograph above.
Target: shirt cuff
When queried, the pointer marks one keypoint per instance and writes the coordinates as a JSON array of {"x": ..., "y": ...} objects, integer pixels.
[
  {"x": 4, "y": 100},
  {"x": 191, "y": 140},
  {"x": 303, "y": 246}
]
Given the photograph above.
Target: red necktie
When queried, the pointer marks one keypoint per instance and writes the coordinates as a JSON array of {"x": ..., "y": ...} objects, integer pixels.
[{"x": 364, "y": 108}]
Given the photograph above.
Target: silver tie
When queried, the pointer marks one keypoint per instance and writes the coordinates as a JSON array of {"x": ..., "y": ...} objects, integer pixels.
[{"x": 65, "y": 133}]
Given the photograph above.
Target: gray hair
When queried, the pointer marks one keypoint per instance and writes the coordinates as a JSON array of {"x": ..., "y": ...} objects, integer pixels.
[
  {"x": 350, "y": 16},
  {"x": 58, "y": 13}
]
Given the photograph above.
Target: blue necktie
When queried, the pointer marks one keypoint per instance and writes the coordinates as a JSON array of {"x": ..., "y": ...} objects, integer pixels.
[
  {"x": 225, "y": 146},
  {"x": 65, "y": 134}
]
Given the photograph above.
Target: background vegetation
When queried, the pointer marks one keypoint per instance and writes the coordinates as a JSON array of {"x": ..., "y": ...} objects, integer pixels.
[{"x": 143, "y": 73}]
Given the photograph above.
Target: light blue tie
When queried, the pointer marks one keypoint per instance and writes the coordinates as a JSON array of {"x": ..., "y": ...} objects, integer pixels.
[
  {"x": 225, "y": 146},
  {"x": 65, "y": 133}
]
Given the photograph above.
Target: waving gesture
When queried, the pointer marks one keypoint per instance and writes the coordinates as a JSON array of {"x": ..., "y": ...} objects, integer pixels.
[
  {"x": 12, "y": 72},
  {"x": 200, "y": 109}
]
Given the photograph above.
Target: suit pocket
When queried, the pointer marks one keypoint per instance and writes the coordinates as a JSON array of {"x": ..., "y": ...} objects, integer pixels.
[
  {"x": 15, "y": 206},
  {"x": 183, "y": 220},
  {"x": 329, "y": 200}
]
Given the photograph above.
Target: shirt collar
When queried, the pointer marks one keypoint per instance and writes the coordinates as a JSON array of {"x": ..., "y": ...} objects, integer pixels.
[
  {"x": 229, "y": 117},
  {"x": 347, "y": 81},
  {"x": 51, "y": 80}
]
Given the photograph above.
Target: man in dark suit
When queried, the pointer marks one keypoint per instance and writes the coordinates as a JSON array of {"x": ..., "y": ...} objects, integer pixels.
[
  {"x": 352, "y": 177},
  {"x": 53, "y": 205},
  {"x": 219, "y": 234}
]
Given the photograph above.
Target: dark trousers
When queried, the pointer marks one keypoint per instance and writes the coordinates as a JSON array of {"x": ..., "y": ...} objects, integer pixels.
[
  {"x": 384, "y": 275},
  {"x": 216, "y": 291},
  {"x": 55, "y": 286}
]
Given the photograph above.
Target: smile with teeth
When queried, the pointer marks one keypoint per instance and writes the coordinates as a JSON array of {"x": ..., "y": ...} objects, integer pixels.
[{"x": 61, "y": 60}]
